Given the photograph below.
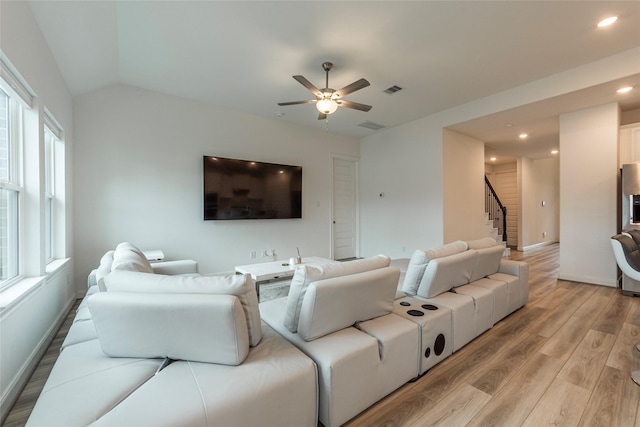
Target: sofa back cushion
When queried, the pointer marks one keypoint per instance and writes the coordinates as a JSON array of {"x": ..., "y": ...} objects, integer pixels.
[
  {"x": 443, "y": 274},
  {"x": 306, "y": 274},
  {"x": 241, "y": 286},
  {"x": 200, "y": 328},
  {"x": 487, "y": 262},
  {"x": 339, "y": 302},
  {"x": 128, "y": 257},
  {"x": 485, "y": 242},
  {"x": 421, "y": 258}
]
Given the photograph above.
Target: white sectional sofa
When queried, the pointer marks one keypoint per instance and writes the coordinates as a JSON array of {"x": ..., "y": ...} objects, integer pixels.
[
  {"x": 150, "y": 349},
  {"x": 159, "y": 350}
]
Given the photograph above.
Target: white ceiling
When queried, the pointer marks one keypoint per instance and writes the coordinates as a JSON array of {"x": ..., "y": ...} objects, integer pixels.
[{"x": 242, "y": 55}]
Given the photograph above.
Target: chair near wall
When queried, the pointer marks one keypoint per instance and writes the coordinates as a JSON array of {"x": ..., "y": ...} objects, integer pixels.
[{"x": 627, "y": 253}]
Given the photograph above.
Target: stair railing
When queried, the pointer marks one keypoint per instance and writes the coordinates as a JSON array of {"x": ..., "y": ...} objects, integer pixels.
[{"x": 496, "y": 210}]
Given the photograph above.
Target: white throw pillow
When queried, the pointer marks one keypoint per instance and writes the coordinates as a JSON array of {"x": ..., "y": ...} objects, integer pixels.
[
  {"x": 239, "y": 285},
  {"x": 306, "y": 274},
  {"x": 128, "y": 257},
  {"x": 420, "y": 259}
]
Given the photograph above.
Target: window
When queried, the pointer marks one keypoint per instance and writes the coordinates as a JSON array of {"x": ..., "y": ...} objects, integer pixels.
[
  {"x": 50, "y": 140},
  {"x": 10, "y": 189}
]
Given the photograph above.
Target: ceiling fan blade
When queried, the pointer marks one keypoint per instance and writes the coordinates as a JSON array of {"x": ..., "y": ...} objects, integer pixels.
[
  {"x": 354, "y": 105},
  {"x": 357, "y": 85},
  {"x": 306, "y": 83},
  {"x": 310, "y": 101},
  {"x": 322, "y": 116}
]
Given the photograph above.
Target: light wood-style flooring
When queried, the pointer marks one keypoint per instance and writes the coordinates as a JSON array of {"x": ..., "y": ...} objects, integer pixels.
[{"x": 562, "y": 360}]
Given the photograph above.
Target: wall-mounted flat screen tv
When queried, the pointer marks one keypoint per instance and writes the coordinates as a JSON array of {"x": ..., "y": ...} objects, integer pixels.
[{"x": 243, "y": 189}]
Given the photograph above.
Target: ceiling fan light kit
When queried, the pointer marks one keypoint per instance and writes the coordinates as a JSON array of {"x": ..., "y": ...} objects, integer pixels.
[
  {"x": 327, "y": 106},
  {"x": 328, "y": 100}
]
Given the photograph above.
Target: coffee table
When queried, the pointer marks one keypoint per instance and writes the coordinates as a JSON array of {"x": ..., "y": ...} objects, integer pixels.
[{"x": 263, "y": 272}]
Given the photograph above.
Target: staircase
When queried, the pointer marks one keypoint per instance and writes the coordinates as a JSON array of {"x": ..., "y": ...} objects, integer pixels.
[{"x": 495, "y": 216}]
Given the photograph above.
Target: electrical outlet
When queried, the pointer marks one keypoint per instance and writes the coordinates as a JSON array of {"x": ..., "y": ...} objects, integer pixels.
[
  {"x": 544, "y": 234},
  {"x": 252, "y": 255}
]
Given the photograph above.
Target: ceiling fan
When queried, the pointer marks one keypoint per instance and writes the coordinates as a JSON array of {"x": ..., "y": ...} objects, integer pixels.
[{"x": 328, "y": 100}]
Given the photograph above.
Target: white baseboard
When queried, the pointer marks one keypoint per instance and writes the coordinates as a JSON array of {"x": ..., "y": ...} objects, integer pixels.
[{"x": 536, "y": 246}]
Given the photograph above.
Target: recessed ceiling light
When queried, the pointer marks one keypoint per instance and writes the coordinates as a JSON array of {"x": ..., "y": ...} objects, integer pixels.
[
  {"x": 607, "y": 21},
  {"x": 523, "y": 136},
  {"x": 493, "y": 159},
  {"x": 508, "y": 125},
  {"x": 625, "y": 89},
  {"x": 554, "y": 151}
]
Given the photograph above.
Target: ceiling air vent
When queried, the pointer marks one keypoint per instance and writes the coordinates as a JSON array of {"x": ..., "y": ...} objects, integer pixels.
[
  {"x": 393, "y": 89},
  {"x": 371, "y": 125}
]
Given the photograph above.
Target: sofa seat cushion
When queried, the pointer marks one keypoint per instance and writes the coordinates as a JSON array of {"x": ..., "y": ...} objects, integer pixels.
[
  {"x": 84, "y": 384},
  {"x": 306, "y": 274},
  {"x": 443, "y": 274},
  {"x": 337, "y": 303},
  {"x": 421, "y": 258},
  {"x": 201, "y": 328},
  {"x": 241, "y": 286},
  {"x": 130, "y": 258},
  {"x": 276, "y": 385},
  {"x": 487, "y": 261}
]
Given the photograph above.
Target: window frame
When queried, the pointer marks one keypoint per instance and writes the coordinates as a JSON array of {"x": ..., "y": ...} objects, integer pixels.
[{"x": 13, "y": 183}]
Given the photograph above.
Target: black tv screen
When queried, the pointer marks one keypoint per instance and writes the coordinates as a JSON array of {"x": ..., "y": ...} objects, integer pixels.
[{"x": 243, "y": 189}]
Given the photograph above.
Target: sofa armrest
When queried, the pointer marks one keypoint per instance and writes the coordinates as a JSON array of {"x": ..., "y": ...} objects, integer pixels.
[
  {"x": 201, "y": 328},
  {"x": 183, "y": 266},
  {"x": 514, "y": 268}
]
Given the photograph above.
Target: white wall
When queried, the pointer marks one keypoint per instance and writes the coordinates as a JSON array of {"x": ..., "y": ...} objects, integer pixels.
[
  {"x": 29, "y": 322},
  {"x": 545, "y": 178},
  {"x": 588, "y": 194},
  {"x": 463, "y": 187},
  {"x": 138, "y": 178},
  {"x": 406, "y": 164}
]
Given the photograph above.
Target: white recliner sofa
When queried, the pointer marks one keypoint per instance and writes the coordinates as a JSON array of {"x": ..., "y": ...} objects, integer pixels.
[
  {"x": 340, "y": 315},
  {"x": 177, "y": 351},
  {"x": 370, "y": 329},
  {"x": 468, "y": 279}
]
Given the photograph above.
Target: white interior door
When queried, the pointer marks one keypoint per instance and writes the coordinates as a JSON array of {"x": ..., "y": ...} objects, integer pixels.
[{"x": 344, "y": 208}]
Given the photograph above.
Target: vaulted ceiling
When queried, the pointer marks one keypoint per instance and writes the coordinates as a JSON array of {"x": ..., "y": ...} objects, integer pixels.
[{"x": 242, "y": 55}]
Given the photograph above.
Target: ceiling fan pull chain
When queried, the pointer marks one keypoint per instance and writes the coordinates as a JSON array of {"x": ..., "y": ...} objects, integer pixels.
[{"x": 326, "y": 122}]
